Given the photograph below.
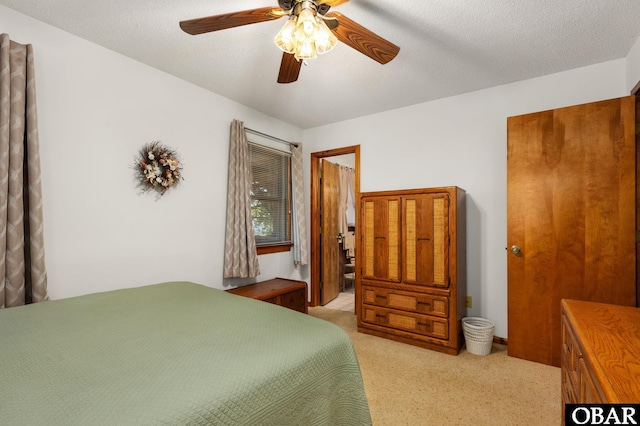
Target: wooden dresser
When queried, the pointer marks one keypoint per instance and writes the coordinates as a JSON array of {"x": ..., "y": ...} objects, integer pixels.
[
  {"x": 291, "y": 294},
  {"x": 600, "y": 353},
  {"x": 412, "y": 266}
]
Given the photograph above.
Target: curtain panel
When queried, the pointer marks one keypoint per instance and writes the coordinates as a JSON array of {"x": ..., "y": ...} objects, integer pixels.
[
  {"x": 300, "y": 247},
  {"x": 346, "y": 198},
  {"x": 240, "y": 254},
  {"x": 23, "y": 277}
]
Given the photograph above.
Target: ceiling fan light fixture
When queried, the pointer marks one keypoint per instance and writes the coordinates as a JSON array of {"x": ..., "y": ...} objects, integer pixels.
[{"x": 305, "y": 34}]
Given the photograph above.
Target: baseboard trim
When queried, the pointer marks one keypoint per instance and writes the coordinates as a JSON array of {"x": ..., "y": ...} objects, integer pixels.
[{"x": 500, "y": 340}]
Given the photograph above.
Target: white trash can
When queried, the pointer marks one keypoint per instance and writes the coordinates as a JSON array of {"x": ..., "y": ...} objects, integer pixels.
[{"x": 478, "y": 334}]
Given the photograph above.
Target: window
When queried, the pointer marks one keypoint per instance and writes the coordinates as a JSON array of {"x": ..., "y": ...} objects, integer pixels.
[{"x": 270, "y": 198}]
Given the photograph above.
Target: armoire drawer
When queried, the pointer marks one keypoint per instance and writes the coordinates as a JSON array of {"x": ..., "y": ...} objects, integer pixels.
[
  {"x": 399, "y": 320},
  {"x": 405, "y": 300}
]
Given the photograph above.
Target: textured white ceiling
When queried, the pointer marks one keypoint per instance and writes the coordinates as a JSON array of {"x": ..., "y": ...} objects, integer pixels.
[{"x": 448, "y": 47}]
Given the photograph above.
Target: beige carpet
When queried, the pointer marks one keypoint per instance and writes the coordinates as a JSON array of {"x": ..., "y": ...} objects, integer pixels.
[{"x": 408, "y": 385}]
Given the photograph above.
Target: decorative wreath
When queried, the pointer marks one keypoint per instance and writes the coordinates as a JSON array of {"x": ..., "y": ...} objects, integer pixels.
[{"x": 158, "y": 167}]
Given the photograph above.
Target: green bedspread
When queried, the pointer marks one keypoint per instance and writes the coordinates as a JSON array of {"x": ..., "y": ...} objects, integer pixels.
[{"x": 175, "y": 354}]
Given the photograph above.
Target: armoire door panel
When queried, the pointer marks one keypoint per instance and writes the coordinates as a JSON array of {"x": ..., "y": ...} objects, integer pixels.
[
  {"x": 381, "y": 242},
  {"x": 571, "y": 193},
  {"x": 425, "y": 239}
]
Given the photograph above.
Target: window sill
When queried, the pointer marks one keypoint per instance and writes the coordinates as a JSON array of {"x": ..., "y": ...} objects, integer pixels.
[{"x": 274, "y": 249}]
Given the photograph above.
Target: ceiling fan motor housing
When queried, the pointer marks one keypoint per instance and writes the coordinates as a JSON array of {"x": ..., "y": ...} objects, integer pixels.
[
  {"x": 286, "y": 4},
  {"x": 296, "y": 5}
]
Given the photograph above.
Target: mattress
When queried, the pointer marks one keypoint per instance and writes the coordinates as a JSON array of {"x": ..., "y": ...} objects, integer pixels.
[{"x": 175, "y": 353}]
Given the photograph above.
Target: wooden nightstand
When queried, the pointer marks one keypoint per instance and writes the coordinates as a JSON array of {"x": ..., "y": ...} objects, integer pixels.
[{"x": 291, "y": 294}]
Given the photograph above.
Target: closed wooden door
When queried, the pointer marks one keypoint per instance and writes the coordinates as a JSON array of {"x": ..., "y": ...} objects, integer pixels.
[
  {"x": 380, "y": 245},
  {"x": 330, "y": 279},
  {"x": 425, "y": 239},
  {"x": 571, "y": 189}
]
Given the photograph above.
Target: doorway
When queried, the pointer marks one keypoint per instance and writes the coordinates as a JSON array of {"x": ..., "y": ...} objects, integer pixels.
[{"x": 317, "y": 261}]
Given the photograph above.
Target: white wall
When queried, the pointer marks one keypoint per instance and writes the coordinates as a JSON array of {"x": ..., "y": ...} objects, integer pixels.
[
  {"x": 96, "y": 109},
  {"x": 462, "y": 141},
  {"x": 633, "y": 66}
]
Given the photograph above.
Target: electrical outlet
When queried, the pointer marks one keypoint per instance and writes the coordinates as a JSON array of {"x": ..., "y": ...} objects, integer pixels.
[{"x": 469, "y": 302}]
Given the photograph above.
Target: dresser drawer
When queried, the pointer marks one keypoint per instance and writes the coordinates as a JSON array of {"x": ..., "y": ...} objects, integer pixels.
[
  {"x": 399, "y": 320},
  {"x": 570, "y": 355},
  {"x": 589, "y": 391},
  {"x": 405, "y": 300},
  {"x": 569, "y": 391}
]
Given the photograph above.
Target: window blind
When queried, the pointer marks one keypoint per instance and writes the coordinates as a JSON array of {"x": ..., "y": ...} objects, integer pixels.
[{"x": 270, "y": 195}]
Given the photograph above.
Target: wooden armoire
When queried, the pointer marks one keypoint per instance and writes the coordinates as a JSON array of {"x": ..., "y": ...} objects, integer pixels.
[
  {"x": 571, "y": 217},
  {"x": 412, "y": 280}
]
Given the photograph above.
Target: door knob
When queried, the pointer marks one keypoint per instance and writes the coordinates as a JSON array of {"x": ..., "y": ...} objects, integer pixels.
[{"x": 515, "y": 249}]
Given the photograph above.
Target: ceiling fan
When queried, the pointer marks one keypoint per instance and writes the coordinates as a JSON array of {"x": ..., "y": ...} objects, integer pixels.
[{"x": 310, "y": 29}]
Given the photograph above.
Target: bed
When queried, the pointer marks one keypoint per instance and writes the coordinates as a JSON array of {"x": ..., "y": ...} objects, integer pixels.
[{"x": 175, "y": 353}]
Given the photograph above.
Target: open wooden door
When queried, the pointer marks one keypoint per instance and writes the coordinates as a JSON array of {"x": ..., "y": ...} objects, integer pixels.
[
  {"x": 571, "y": 194},
  {"x": 330, "y": 279},
  {"x": 316, "y": 210}
]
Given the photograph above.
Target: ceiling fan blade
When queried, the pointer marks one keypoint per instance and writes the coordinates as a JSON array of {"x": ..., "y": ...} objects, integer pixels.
[
  {"x": 332, "y": 3},
  {"x": 363, "y": 40},
  {"x": 289, "y": 68},
  {"x": 230, "y": 20}
]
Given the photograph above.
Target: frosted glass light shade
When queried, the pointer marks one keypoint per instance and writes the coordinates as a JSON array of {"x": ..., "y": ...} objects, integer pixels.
[
  {"x": 306, "y": 50},
  {"x": 325, "y": 39},
  {"x": 306, "y": 26},
  {"x": 285, "y": 39}
]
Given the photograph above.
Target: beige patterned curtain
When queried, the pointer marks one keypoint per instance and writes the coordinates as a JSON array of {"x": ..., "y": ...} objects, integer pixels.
[
  {"x": 240, "y": 255},
  {"x": 343, "y": 194},
  {"x": 300, "y": 250},
  {"x": 22, "y": 269},
  {"x": 346, "y": 191}
]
